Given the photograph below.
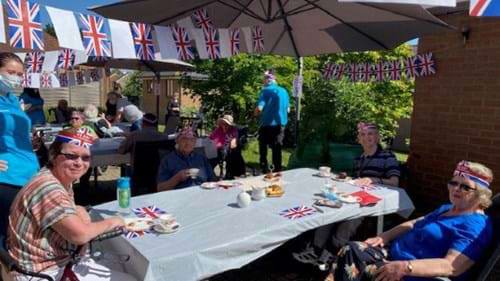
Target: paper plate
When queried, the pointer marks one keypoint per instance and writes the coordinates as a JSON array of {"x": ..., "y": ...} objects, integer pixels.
[
  {"x": 209, "y": 185},
  {"x": 138, "y": 224},
  {"x": 227, "y": 184},
  {"x": 349, "y": 199},
  {"x": 164, "y": 227}
]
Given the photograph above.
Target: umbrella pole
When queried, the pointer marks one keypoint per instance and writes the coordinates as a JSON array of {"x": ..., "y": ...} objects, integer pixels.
[{"x": 300, "y": 69}]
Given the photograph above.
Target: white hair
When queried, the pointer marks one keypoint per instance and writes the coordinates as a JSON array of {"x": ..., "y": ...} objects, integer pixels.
[{"x": 90, "y": 111}]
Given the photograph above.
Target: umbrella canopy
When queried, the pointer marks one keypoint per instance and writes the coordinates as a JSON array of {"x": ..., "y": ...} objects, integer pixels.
[
  {"x": 155, "y": 66},
  {"x": 295, "y": 27}
]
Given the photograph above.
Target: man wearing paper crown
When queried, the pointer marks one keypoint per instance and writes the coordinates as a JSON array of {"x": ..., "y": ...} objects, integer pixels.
[
  {"x": 444, "y": 243},
  {"x": 183, "y": 167},
  {"x": 45, "y": 224}
]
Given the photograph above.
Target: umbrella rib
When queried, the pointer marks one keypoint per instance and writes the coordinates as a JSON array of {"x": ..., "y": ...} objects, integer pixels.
[
  {"x": 349, "y": 25},
  {"x": 269, "y": 9},
  {"x": 295, "y": 10},
  {"x": 263, "y": 8},
  {"x": 243, "y": 9},
  {"x": 277, "y": 41},
  {"x": 167, "y": 19},
  {"x": 406, "y": 16},
  {"x": 288, "y": 29}
]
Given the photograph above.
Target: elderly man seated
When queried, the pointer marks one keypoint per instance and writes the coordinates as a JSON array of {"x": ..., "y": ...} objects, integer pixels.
[
  {"x": 149, "y": 132},
  {"x": 182, "y": 167},
  {"x": 374, "y": 166}
]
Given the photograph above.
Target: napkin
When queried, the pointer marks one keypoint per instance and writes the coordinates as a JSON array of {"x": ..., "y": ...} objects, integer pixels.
[{"x": 366, "y": 198}]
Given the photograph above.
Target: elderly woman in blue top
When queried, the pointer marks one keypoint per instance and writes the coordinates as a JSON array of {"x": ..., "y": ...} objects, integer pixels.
[
  {"x": 446, "y": 242},
  {"x": 18, "y": 163},
  {"x": 174, "y": 171}
]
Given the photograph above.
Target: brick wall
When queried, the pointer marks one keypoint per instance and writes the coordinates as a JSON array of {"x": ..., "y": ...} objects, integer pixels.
[{"x": 457, "y": 111}]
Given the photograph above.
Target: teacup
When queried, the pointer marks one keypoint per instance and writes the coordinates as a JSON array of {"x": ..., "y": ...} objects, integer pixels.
[
  {"x": 193, "y": 172},
  {"x": 258, "y": 193},
  {"x": 324, "y": 171}
]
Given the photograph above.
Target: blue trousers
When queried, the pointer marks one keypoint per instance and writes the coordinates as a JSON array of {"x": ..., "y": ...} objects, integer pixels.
[{"x": 7, "y": 194}]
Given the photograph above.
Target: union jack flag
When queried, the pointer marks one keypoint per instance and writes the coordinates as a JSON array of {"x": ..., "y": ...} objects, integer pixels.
[
  {"x": 426, "y": 64},
  {"x": 134, "y": 234},
  {"x": 95, "y": 38},
  {"x": 63, "y": 79},
  {"x": 79, "y": 78},
  {"x": 297, "y": 212},
  {"x": 46, "y": 80},
  {"x": 25, "y": 28},
  {"x": 66, "y": 59},
  {"x": 378, "y": 71},
  {"x": 83, "y": 137},
  {"x": 479, "y": 8},
  {"x": 34, "y": 61},
  {"x": 393, "y": 69},
  {"x": 202, "y": 20},
  {"x": 234, "y": 39},
  {"x": 338, "y": 72},
  {"x": 411, "y": 65},
  {"x": 148, "y": 212},
  {"x": 95, "y": 75},
  {"x": 353, "y": 72},
  {"x": 143, "y": 41},
  {"x": 183, "y": 43},
  {"x": 257, "y": 39},
  {"x": 328, "y": 71},
  {"x": 26, "y": 82},
  {"x": 212, "y": 43},
  {"x": 364, "y": 72}
]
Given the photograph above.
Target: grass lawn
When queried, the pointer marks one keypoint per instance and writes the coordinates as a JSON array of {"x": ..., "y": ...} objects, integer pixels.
[
  {"x": 251, "y": 155},
  {"x": 401, "y": 156}
]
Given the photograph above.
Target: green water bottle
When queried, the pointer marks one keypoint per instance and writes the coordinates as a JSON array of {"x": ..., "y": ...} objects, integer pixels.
[{"x": 123, "y": 194}]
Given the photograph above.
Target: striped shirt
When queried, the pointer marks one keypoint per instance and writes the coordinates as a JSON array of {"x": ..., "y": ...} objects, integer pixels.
[
  {"x": 382, "y": 164},
  {"x": 32, "y": 243}
]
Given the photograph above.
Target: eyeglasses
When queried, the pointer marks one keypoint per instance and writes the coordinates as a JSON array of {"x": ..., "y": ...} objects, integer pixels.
[
  {"x": 462, "y": 186},
  {"x": 74, "y": 157},
  {"x": 75, "y": 118}
]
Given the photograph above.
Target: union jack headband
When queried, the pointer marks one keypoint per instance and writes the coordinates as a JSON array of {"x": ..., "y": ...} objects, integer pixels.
[
  {"x": 83, "y": 137},
  {"x": 463, "y": 170},
  {"x": 269, "y": 75},
  {"x": 362, "y": 126}
]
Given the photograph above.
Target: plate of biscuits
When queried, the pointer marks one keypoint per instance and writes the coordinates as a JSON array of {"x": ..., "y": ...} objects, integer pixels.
[
  {"x": 272, "y": 177},
  {"x": 274, "y": 191},
  {"x": 138, "y": 224}
]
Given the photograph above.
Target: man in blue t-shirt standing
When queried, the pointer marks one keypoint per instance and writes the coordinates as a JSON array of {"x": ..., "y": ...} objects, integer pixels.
[{"x": 273, "y": 107}]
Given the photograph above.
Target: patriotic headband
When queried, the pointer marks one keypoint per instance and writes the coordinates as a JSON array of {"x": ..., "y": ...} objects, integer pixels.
[
  {"x": 83, "y": 137},
  {"x": 269, "y": 75},
  {"x": 186, "y": 133},
  {"x": 463, "y": 170},
  {"x": 362, "y": 126}
]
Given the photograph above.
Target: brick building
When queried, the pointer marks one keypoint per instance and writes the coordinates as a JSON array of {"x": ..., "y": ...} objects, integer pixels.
[{"x": 456, "y": 112}]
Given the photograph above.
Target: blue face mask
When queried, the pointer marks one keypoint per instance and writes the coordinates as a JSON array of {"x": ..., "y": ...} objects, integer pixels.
[{"x": 9, "y": 82}]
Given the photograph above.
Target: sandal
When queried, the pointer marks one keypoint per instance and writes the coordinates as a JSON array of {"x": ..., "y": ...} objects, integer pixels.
[{"x": 307, "y": 256}]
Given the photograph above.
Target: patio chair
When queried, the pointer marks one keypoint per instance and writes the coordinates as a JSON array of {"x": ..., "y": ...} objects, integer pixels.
[
  {"x": 146, "y": 156},
  {"x": 482, "y": 269}
]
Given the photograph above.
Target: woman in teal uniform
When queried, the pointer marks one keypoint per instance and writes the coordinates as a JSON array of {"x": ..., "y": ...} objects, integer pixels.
[
  {"x": 18, "y": 163},
  {"x": 33, "y": 105}
]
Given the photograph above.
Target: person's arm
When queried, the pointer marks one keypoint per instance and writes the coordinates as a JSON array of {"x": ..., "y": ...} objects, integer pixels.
[
  {"x": 453, "y": 264},
  {"x": 75, "y": 230},
  {"x": 386, "y": 237},
  {"x": 4, "y": 166},
  {"x": 126, "y": 145},
  {"x": 172, "y": 182},
  {"x": 260, "y": 105}
]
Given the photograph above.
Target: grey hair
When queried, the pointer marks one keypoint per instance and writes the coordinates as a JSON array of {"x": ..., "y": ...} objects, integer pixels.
[
  {"x": 90, "y": 111},
  {"x": 484, "y": 197}
]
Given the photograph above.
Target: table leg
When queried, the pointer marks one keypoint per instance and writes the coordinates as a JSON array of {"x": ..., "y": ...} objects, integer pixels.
[
  {"x": 380, "y": 224},
  {"x": 96, "y": 171}
]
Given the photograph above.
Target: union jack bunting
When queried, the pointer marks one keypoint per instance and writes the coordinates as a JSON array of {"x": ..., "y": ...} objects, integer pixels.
[
  {"x": 328, "y": 71},
  {"x": 410, "y": 68},
  {"x": 479, "y": 8},
  {"x": 338, "y": 72},
  {"x": 148, "y": 212},
  {"x": 394, "y": 69},
  {"x": 25, "y": 28},
  {"x": 34, "y": 61},
  {"x": 26, "y": 82},
  {"x": 63, "y": 79},
  {"x": 297, "y": 212},
  {"x": 183, "y": 43},
  {"x": 46, "y": 80},
  {"x": 95, "y": 38},
  {"x": 79, "y": 78},
  {"x": 66, "y": 59},
  {"x": 353, "y": 72},
  {"x": 257, "y": 39},
  {"x": 378, "y": 71},
  {"x": 134, "y": 234},
  {"x": 202, "y": 20},
  {"x": 426, "y": 64},
  {"x": 143, "y": 41},
  {"x": 364, "y": 72},
  {"x": 212, "y": 43},
  {"x": 234, "y": 40}
]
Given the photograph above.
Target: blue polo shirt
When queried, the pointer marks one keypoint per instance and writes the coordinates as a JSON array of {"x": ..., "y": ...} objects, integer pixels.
[
  {"x": 434, "y": 235},
  {"x": 37, "y": 116},
  {"x": 274, "y": 103},
  {"x": 174, "y": 162},
  {"x": 15, "y": 142}
]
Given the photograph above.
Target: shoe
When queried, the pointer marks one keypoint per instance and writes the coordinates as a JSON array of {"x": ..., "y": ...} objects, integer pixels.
[
  {"x": 325, "y": 260},
  {"x": 307, "y": 256}
]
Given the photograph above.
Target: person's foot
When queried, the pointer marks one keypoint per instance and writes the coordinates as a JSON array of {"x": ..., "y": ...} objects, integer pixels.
[
  {"x": 307, "y": 256},
  {"x": 325, "y": 260}
]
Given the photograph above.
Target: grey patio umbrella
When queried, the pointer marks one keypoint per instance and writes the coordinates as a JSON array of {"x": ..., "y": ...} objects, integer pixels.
[
  {"x": 295, "y": 27},
  {"x": 155, "y": 66}
]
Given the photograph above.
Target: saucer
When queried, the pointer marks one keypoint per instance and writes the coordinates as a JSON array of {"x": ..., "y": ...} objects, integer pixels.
[{"x": 209, "y": 185}]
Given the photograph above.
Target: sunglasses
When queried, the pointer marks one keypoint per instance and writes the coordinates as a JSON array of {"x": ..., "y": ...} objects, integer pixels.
[
  {"x": 74, "y": 157},
  {"x": 75, "y": 118},
  {"x": 462, "y": 186}
]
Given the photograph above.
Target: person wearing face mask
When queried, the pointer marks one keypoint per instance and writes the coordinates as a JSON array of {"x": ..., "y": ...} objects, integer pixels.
[
  {"x": 18, "y": 162},
  {"x": 33, "y": 105}
]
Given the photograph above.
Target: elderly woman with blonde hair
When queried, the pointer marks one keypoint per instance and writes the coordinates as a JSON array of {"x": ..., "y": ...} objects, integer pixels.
[{"x": 446, "y": 242}]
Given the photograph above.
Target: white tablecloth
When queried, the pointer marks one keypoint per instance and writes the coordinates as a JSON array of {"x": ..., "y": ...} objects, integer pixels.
[{"x": 216, "y": 235}]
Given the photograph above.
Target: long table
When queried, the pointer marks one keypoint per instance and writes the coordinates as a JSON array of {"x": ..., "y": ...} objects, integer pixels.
[{"x": 216, "y": 235}]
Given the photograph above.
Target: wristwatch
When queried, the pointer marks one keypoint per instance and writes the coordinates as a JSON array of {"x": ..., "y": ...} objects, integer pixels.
[{"x": 409, "y": 267}]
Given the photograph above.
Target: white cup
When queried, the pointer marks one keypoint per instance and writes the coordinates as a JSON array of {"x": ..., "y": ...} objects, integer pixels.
[
  {"x": 193, "y": 172},
  {"x": 243, "y": 199},
  {"x": 324, "y": 171},
  {"x": 258, "y": 193}
]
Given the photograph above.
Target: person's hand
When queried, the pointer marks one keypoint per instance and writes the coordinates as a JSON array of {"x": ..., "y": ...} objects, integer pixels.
[
  {"x": 233, "y": 144},
  {"x": 391, "y": 271},
  {"x": 102, "y": 115},
  {"x": 366, "y": 181},
  {"x": 4, "y": 165},
  {"x": 83, "y": 214},
  {"x": 182, "y": 175},
  {"x": 375, "y": 241}
]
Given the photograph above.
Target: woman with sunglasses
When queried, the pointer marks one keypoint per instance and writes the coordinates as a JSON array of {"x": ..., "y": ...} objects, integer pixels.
[
  {"x": 18, "y": 162},
  {"x": 46, "y": 226},
  {"x": 446, "y": 242}
]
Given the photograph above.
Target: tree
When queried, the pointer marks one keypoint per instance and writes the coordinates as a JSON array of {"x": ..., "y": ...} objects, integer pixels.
[{"x": 49, "y": 29}]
